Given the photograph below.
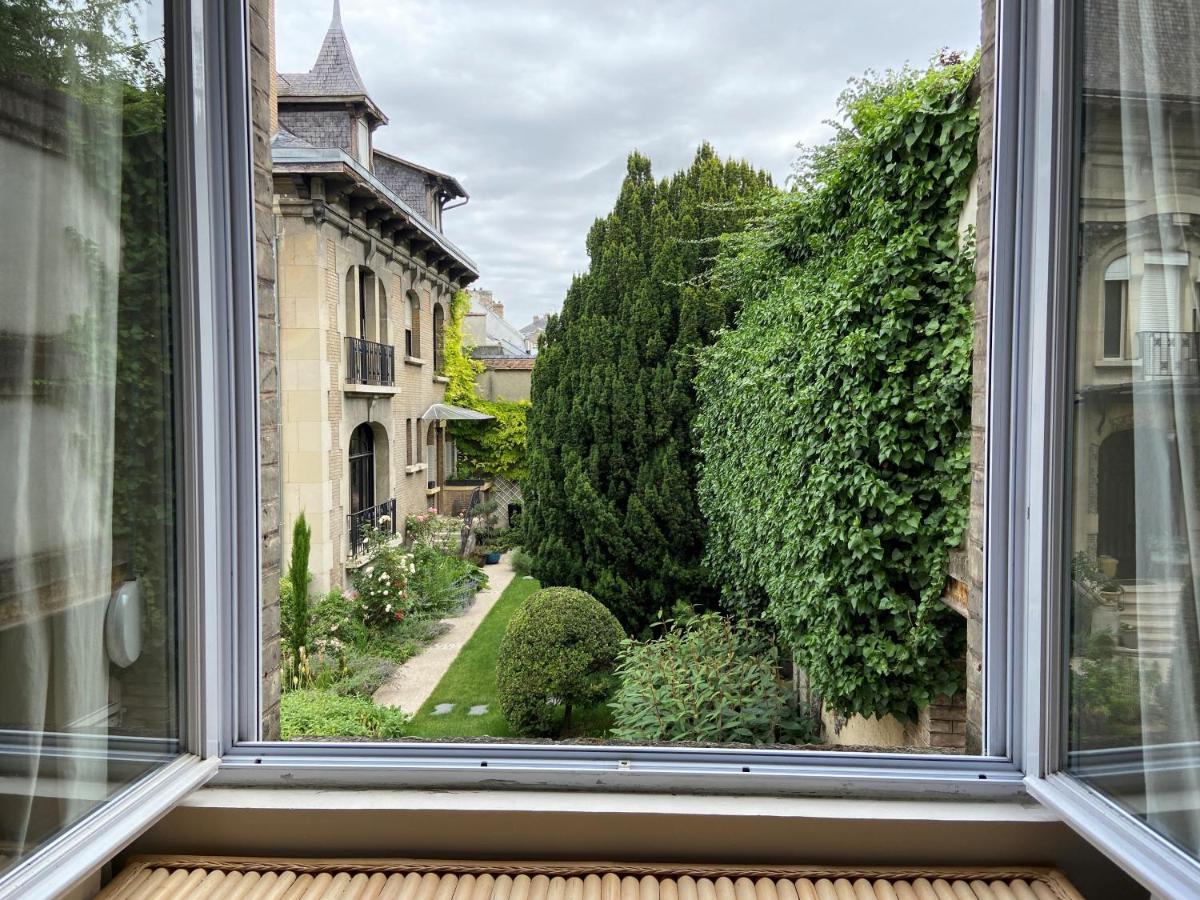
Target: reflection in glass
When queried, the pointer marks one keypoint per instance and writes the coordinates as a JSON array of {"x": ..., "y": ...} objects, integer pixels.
[
  {"x": 87, "y": 596},
  {"x": 1134, "y": 684}
]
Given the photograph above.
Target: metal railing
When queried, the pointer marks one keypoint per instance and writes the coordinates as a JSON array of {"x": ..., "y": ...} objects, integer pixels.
[
  {"x": 382, "y": 517},
  {"x": 1169, "y": 354},
  {"x": 368, "y": 362}
]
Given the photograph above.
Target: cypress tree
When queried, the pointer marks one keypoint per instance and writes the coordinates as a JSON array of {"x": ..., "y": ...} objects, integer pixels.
[{"x": 611, "y": 503}]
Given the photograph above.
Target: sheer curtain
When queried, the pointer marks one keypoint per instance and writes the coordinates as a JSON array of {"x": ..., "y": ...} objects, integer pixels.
[
  {"x": 1135, "y": 704},
  {"x": 70, "y": 270}
]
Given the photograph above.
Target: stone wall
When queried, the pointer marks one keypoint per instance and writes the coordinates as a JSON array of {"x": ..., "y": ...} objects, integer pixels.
[
  {"x": 262, "y": 70},
  {"x": 970, "y": 568}
]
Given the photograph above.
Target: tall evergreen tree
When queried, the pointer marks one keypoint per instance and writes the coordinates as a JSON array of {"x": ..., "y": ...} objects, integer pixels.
[{"x": 612, "y": 461}]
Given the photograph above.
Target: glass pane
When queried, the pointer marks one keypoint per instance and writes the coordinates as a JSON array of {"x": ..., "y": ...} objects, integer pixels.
[
  {"x": 88, "y": 616},
  {"x": 1134, "y": 671},
  {"x": 1114, "y": 319},
  {"x": 670, "y": 390}
]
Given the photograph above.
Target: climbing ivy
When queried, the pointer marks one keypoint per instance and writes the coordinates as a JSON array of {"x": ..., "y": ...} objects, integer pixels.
[
  {"x": 495, "y": 448},
  {"x": 835, "y": 417}
]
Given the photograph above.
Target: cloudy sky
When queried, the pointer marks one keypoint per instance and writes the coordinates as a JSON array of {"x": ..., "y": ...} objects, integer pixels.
[{"x": 535, "y": 104}]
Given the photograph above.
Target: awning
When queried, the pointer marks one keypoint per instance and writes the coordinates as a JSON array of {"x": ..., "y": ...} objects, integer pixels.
[{"x": 442, "y": 411}]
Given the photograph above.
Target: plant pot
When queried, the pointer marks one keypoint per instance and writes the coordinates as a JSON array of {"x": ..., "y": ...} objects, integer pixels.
[
  {"x": 490, "y": 559},
  {"x": 1107, "y": 565}
]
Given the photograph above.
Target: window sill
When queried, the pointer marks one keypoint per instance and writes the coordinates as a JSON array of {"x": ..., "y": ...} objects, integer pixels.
[
  {"x": 413, "y": 361},
  {"x": 1118, "y": 363},
  {"x": 430, "y": 492},
  {"x": 414, "y": 469},
  {"x": 385, "y": 390},
  {"x": 440, "y": 379}
]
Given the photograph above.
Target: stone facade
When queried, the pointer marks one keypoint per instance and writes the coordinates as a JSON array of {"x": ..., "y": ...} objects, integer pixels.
[
  {"x": 262, "y": 68},
  {"x": 364, "y": 287},
  {"x": 967, "y": 567}
]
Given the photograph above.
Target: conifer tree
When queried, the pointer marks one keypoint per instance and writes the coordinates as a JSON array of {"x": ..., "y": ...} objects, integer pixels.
[{"x": 611, "y": 504}]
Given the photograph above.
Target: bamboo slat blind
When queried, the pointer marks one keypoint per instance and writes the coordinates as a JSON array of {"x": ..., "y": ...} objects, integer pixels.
[{"x": 234, "y": 878}]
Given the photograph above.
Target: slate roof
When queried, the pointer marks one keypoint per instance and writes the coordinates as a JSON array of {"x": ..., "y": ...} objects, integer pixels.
[
  {"x": 333, "y": 75},
  {"x": 1148, "y": 48},
  {"x": 284, "y": 138},
  {"x": 449, "y": 182}
]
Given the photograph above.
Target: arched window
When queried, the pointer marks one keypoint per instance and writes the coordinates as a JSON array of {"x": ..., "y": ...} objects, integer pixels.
[
  {"x": 362, "y": 469},
  {"x": 1115, "y": 313},
  {"x": 412, "y": 326},
  {"x": 439, "y": 337}
]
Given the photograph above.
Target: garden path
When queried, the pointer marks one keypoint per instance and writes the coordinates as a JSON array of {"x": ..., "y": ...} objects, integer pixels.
[{"x": 412, "y": 683}]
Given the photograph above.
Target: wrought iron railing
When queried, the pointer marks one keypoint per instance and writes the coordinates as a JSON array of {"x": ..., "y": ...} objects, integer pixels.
[
  {"x": 370, "y": 363},
  {"x": 382, "y": 517},
  {"x": 1169, "y": 354}
]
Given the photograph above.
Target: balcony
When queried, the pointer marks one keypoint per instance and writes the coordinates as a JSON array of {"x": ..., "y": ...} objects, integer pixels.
[
  {"x": 382, "y": 517},
  {"x": 1169, "y": 354},
  {"x": 370, "y": 363}
]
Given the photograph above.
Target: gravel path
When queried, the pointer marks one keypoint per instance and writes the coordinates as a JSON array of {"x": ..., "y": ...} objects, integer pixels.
[{"x": 412, "y": 683}]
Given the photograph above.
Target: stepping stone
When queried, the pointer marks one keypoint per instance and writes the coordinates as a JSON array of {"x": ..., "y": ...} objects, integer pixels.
[
  {"x": 478, "y": 710},
  {"x": 442, "y": 708}
]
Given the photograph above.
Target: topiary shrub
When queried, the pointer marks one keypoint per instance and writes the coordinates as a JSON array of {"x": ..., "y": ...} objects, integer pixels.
[
  {"x": 558, "y": 652},
  {"x": 707, "y": 679}
]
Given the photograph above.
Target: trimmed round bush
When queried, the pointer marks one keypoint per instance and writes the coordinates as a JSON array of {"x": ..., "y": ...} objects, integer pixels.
[{"x": 558, "y": 652}]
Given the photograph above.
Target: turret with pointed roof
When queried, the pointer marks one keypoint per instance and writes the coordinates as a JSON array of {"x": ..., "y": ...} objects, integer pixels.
[{"x": 334, "y": 76}]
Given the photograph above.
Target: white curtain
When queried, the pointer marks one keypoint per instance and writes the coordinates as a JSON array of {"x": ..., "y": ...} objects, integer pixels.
[
  {"x": 1160, "y": 143},
  {"x": 60, "y": 176}
]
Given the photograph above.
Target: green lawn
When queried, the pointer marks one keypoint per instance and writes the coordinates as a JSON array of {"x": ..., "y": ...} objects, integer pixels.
[{"x": 471, "y": 680}]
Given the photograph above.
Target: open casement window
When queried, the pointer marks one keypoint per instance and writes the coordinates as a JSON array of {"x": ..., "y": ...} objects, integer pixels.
[
  {"x": 1109, "y": 544},
  {"x": 132, "y": 241}
]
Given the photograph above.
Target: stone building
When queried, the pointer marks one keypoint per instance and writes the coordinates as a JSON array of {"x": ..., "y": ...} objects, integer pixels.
[
  {"x": 364, "y": 280},
  {"x": 500, "y": 346}
]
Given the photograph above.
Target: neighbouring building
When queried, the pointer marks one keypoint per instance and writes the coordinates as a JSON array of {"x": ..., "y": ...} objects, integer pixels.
[
  {"x": 533, "y": 331},
  {"x": 501, "y": 347},
  {"x": 364, "y": 280}
]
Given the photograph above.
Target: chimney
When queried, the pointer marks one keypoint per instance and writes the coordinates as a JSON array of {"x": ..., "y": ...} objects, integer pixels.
[{"x": 498, "y": 308}]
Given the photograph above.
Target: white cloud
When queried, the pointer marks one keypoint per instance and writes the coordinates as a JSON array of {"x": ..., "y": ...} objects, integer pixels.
[{"x": 534, "y": 105}]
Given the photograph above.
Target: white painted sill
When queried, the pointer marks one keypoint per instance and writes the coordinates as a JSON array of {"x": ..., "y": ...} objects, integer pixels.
[
  {"x": 414, "y": 469},
  {"x": 413, "y": 361}
]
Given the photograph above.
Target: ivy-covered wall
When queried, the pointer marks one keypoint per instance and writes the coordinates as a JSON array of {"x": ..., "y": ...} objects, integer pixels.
[
  {"x": 834, "y": 418},
  {"x": 495, "y": 448}
]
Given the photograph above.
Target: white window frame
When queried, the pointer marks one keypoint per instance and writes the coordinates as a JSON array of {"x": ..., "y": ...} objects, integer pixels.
[
  {"x": 997, "y": 773},
  {"x": 1042, "y": 102},
  {"x": 209, "y": 187}
]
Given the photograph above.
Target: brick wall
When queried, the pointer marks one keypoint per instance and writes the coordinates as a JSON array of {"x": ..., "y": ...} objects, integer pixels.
[{"x": 261, "y": 75}]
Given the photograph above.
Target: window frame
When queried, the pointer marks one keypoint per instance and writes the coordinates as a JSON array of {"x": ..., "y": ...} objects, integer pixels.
[
  {"x": 997, "y": 773},
  {"x": 212, "y": 258},
  {"x": 1043, "y": 214}
]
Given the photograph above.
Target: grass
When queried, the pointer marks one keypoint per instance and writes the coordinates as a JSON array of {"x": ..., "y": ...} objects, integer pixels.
[{"x": 471, "y": 680}]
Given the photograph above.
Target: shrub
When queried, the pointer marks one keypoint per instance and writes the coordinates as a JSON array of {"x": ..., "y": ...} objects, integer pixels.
[
  {"x": 441, "y": 584},
  {"x": 835, "y": 418},
  {"x": 336, "y": 621},
  {"x": 709, "y": 680},
  {"x": 557, "y": 653},
  {"x": 315, "y": 714},
  {"x": 522, "y": 562},
  {"x": 293, "y": 601},
  {"x": 381, "y": 586},
  {"x": 362, "y": 676}
]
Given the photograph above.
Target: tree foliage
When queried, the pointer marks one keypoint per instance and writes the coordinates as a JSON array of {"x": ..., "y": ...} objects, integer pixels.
[
  {"x": 835, "y": 418},
  {"x": 610, "y": 497},
  {"x": 494, "y": 448}
]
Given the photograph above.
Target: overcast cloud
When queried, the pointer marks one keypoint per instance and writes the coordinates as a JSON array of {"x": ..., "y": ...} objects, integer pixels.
[{"x": 534, "y": 104}]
